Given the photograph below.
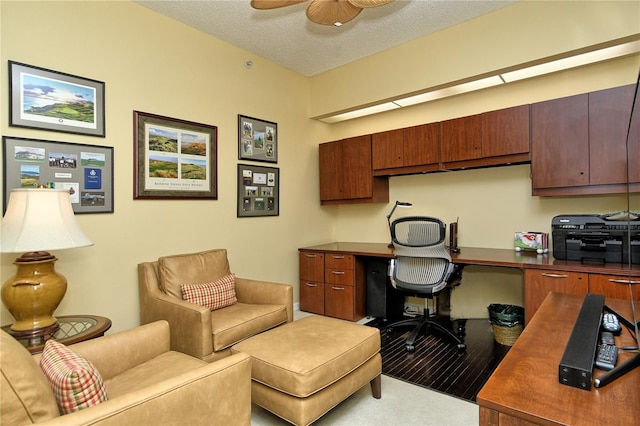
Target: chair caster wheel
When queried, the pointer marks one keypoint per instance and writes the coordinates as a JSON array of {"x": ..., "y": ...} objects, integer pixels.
[
  {"x": 411, "y": 348},
  {"x": 462, "y": 347}
]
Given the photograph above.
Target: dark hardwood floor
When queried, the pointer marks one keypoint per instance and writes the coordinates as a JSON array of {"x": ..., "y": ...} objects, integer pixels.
[{"x": 436, "y": 363}]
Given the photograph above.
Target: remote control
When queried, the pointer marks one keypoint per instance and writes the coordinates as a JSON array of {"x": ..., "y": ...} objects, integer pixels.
[
  {"x": 610, "y": 323},
  {"x": 606, "y": 338},
  {"x": 607, "y": 357}
]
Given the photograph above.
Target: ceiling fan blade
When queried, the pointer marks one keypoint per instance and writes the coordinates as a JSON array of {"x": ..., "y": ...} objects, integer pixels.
[
  {"x": 332, "y": 12},
  {"x": 369, "y": 3},
  {"x": 273, "y": 4}
]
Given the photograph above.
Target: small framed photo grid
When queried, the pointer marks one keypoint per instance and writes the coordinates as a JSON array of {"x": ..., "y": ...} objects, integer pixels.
[
  {"x": 257, "y": 140},
  {"x": 258, "y": 191}
]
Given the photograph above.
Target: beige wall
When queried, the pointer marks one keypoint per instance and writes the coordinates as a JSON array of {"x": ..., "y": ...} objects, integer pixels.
[{"x": 156, "y": 65}]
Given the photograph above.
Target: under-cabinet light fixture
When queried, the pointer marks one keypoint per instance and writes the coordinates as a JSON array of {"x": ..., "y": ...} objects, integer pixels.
[{"x": 599, "y": 55}]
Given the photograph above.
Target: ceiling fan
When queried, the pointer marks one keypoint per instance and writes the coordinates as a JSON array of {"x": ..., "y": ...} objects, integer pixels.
[{"x": 325, "y": 12}]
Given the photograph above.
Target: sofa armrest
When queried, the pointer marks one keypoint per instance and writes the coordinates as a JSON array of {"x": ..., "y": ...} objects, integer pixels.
[
  {"x": 263, "y": 292},
  {"x": 119, "y": 352},
  {"x": 190, "y": 324},
  {"x": 216, "y": 393}
]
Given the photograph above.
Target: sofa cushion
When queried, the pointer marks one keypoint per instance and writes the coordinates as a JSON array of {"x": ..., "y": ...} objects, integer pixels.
[
  {"x": 200, "y": 267},
  {"x": 241, "y": 320},
  {"x": 25, "y": 394},
  {"x": 214, "y": 295},
  {"x": 74, "y": 380}
]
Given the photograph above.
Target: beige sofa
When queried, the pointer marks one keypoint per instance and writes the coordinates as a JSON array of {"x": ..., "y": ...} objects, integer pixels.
[
  {"x": 147, "y": 384},
  {"x": 197, "y": 330}
]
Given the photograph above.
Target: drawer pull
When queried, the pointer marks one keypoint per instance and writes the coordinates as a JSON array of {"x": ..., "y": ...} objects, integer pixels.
[
  {"x": 312, "y": 285},
  {"x": 625, "y": 281},
  {"x": 311, "y": 255},
  {"x": 544, "y": 274},
  {"x": 337, "y": 272},
  {"x": 337, "y": 288},
  {"x": 338, "y": 257}
]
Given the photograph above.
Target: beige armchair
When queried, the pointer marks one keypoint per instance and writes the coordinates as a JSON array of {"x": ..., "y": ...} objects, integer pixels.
[
  {"x": 147, "y": 384},
  {"x": 196, "y": 330}
]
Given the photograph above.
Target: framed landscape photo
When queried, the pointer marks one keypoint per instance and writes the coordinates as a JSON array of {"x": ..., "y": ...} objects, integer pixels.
[
  {"x": 258, "y": 191},
  {"x": 86, "y": 171},
  {"x": 174, "y": 159},
  {"x": 51, "y": 100},
  {"x": 257, "y": 140}
]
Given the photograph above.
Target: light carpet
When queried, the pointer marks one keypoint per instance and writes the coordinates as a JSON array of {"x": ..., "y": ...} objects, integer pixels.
[{"x": 401, "y": 404}]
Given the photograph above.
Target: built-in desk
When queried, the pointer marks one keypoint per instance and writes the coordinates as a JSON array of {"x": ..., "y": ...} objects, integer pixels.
[{"x": 542, "y": 274}]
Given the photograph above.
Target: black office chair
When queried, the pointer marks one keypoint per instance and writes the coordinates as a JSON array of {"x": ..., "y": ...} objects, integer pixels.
[{"x": 422, "y": 267}]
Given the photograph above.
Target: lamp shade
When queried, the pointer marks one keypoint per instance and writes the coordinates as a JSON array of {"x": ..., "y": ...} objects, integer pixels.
[{"x": 40, "y": 219}]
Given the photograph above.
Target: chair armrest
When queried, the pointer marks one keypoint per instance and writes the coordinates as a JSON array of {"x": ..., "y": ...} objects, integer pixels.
[
  {"x": 190, "y": 324},
  {"x": 216, "y": 393},
  {"x": 119, "y": 352},
  {"x": 263, "y": 292}
]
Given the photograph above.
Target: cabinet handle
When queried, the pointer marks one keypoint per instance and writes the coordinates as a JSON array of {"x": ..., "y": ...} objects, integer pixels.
[
  {"x": 338, "y": 257},
  {"x": 337, "y": 288},
  {"x": 311, "y": 255},
  {"x": 337, "y": 272},
  {"x": 624, "y": 281},
  {"x": 544, "y": 274},
  {"x": 312, "y": 285}
]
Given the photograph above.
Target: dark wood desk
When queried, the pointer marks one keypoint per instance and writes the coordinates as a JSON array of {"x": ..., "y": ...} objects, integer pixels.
[
  {"x": 525, "y": 389},
  {"x": 73, "y": 329}
]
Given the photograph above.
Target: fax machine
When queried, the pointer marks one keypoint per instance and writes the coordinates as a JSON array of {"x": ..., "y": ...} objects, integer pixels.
[{"x": 597, "y": 238}]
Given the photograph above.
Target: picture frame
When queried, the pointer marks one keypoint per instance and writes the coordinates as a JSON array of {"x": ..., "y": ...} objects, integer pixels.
[
  {"x": 258, "y": 191},
  {"x": 51, "y": 100},
  {"x": 86, "y": 171},
  {"x": 174, "y": 158},
  {"x": 257, "y": 139}
]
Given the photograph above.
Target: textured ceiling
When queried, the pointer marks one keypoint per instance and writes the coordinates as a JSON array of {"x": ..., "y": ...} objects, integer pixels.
[{"x": 285, "y": 36}]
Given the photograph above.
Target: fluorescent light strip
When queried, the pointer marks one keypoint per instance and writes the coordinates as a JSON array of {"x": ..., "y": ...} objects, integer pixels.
[{"x": 507, "y": 77}]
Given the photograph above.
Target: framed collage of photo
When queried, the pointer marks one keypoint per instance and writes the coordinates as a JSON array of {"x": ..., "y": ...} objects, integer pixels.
[
  {"x": 174, "y": 159},
  {"x": 258, "y": 191},
  {"x": 86, "y": 171},
  {"x": 257, "y": 140},
  {"x": 44, "y": 99}
]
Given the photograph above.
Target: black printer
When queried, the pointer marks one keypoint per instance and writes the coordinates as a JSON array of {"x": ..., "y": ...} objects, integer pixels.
[{"x": 597, "y": 238}]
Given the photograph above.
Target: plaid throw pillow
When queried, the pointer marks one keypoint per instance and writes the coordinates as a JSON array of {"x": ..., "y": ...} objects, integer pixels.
[
  {"x": 213, "y": 295},
  {"x": 74, "y": 380}
]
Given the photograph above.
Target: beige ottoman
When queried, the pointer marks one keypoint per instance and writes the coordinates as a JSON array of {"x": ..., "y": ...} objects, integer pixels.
[{"x": 304, "y": 368}]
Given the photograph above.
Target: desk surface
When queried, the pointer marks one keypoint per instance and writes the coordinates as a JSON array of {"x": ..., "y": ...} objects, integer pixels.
[
  {"x": 525, "y": 384},
  {"x": 487, "y": 257}
]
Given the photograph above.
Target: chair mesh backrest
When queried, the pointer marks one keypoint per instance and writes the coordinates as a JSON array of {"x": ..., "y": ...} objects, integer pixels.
[{"x": 422, "y": 263}]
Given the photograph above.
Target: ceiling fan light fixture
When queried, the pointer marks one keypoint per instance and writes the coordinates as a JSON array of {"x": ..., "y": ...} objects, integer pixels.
[{"x": 332, "y": 12}]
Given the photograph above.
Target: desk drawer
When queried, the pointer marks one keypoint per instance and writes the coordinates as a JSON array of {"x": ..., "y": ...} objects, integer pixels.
[
  {"x": 338, "y": 261},
  {"x": 311, "y": 266},
  {"x": 339, "y": 276}
]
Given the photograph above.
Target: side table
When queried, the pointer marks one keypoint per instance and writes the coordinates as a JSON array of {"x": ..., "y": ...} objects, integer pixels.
[{"x": 73, "y": 329}]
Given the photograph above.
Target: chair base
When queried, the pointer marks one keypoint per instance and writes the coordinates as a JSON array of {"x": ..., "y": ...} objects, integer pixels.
[{"x": 427, "y": 323}]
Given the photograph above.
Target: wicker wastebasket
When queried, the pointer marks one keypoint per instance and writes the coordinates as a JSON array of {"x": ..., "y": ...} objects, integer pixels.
[{"x": 507, "y": 322}]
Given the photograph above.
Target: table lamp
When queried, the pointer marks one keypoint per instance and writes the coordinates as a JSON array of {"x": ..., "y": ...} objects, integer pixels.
[
  {"x": 395, "y": 206},
  {"x": 37, "y": 220}
]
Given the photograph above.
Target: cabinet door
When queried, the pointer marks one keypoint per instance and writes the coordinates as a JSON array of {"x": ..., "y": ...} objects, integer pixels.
[
  {"x": 421, "y": 145},
  {"x": 461, "y": 139},
  {"x": 330, "y": 167},
  {"x": 609, "y": 114},
  {"x": 311, "y": 266},
  {"x": 505, "y": 131},
  {"x": 387, "y": 149},
  {"x": 538, "y": 283},
  {"x": 614, "y": 286},
  {"x": 339, "y": 301},
  {"x": 357, "y": 174},
  {"x": 312, "y": 297},
  {"x": 560, "y": 142}
]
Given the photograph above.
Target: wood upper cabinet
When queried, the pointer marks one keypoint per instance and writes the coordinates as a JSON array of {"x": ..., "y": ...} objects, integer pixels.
[
  {"x": 491, "y": 138},
  {"x": 579, "y": 144},
  {"x": 409, "y": 150},
  {"x": 346, "y": 175}
]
